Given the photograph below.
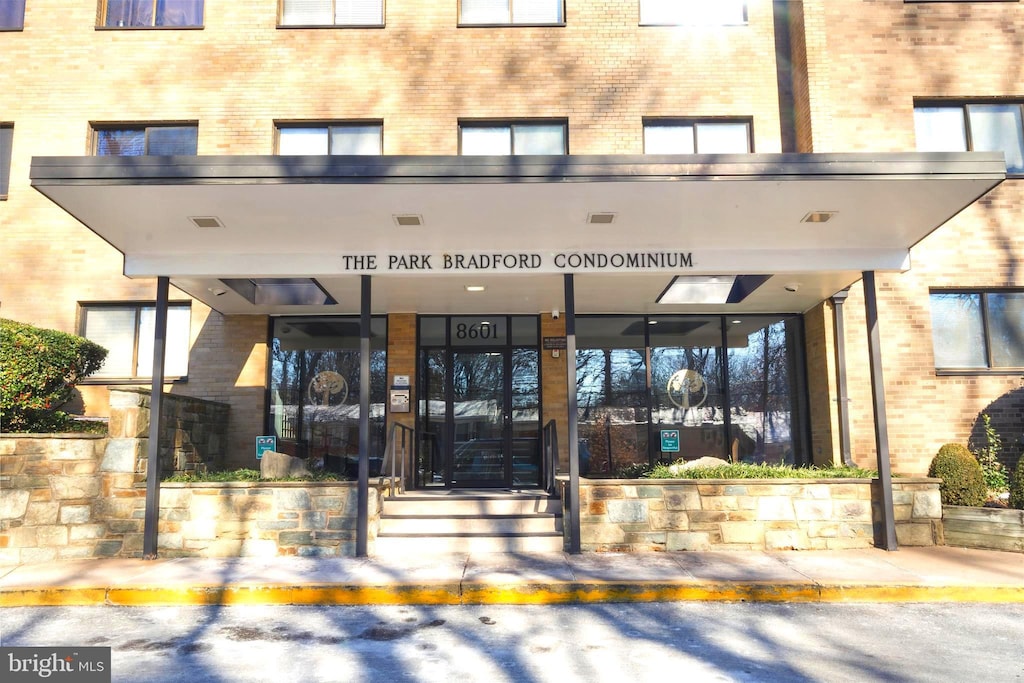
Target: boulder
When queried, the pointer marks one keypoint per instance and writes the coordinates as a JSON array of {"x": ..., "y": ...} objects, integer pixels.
[{"x": 274, "y": 465}]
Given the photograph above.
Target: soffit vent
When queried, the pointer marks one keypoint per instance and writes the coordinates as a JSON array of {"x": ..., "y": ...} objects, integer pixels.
[
  {"x": 206, "y": 221},
  {"x": 408, "y": 219}
]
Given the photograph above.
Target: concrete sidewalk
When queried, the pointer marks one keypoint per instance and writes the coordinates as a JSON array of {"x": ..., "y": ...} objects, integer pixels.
[{"x": 937, "y": 574}]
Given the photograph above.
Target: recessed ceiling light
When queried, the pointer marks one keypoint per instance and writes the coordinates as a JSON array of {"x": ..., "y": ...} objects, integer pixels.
[
  {"x": 818, "y": 217},
  {"x": 407, "y": 219},
  {"x": 736, "y": 322},
  {"x": 217, "y": 291},
  {"x": 206, "y": 221},
  {"x": 475, "y": 288},
  {"x": 602, "y": 218},
  {"x": 652, "y": 322}
]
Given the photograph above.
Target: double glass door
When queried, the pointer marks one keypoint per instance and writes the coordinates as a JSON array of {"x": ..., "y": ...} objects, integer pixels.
[{"x": 479, "y": 417}]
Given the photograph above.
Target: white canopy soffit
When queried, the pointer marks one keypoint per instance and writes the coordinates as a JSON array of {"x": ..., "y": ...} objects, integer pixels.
[{"x": 491, "y": 221}]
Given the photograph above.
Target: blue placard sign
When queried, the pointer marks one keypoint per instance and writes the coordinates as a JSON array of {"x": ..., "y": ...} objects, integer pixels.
[
  {"x": 669, "y": 440},
  {"x": 264, "y": 444}
]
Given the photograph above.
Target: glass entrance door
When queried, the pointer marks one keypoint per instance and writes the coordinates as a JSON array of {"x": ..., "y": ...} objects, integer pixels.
[{"x": 479, "y": 407}]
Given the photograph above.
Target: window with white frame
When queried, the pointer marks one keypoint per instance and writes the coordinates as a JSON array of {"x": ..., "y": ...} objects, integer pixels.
[
  {"x": 361, "y": 139},
  {"x": 126, "y": 330},
  {"x": 153, "y": 13},
  {"x": 481, "y": 138},
  {"x": 978, "y": 330},
  {"x": 12, "y": 15},
  {"x": 976, "y": 127},
  {"x": 332, "y": 12},
  {"x": 693, "y": 12},
  {"x": 6, "y": 143},
  {"x": 511, "y": 12},
  {"x": 690, "y": 136},
  {"x": 140, "y": 140}
]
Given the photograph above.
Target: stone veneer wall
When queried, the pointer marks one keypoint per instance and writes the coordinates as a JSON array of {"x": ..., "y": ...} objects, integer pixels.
[
  {"x": 744, "y": 514},
  {"x": 79, "y": 496},
  {"x": 194, "y": 435},
  {"x": 310, "y": 519}
]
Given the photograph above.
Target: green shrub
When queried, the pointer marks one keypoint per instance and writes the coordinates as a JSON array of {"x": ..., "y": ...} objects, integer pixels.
[
  {"x": 742, "y": 470},
  {"x": 963, "y": 482},
  {"x": 1017, "y": 486},
  {"x": 988, "y": 457},
  {"x": 38, "y": 371}
]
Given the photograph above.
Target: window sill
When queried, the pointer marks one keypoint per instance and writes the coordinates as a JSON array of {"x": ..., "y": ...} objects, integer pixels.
[
  {"x": 999, "y": 372},
  {"x": 560, "y": 24},
  {"x": 117, "y": 381},
  {"x": 150, "y": 28},
  {"x": 4, "y": 29},
  {"x": 329, "y": 26}
]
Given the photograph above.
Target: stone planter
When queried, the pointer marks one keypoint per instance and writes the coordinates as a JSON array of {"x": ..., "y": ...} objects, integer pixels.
[
  {"x": 752, "y": 514},
  {"x": 986, "y": 528}
]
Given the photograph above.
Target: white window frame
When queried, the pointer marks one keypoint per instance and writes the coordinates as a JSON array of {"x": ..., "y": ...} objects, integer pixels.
[
  {"x": 693, "y": 13},
  {"x": 696, "y": 124},
  {"x": 964, "y": 107},
  {"x": 327, "y": 129},
  {"x": 512, "y": 125},
  {"x": 179, "y": 324},
  {"x": 376, "y": 22},
  {"x": 512, "y": 18}
]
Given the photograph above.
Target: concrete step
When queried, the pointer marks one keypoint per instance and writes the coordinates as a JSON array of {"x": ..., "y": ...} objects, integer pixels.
[
  {"x": 471, "y": 506},
  {"x": 403, "y": 545},
  {"x": 458, "y": 524}
]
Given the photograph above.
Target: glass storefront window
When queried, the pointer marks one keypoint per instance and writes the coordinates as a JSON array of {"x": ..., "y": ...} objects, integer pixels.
[
  {"x": 731, "y": 387},
  {"x": 314, "y": 391}
]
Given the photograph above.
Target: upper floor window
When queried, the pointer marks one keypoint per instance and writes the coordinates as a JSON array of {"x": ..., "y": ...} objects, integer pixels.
[
  {"x": 332, "y": 12},
  {"x": 12, "y": 15},
  {"x": 978, "y": 330},
  {"x": 148, "y": 13},
  {"x": 127, "y": 331},
  {"x": 154, "y": 140},
  {"x": 700, "y": 12},
  {"x": 502, "y": 12},
  {"x": 688, "y": 136},
  {"x": 993, "y": 127},
  {"x": 364, "y": 139},
  {"x": 6, "y": 142},
  {"x": 478, "y": 138}
]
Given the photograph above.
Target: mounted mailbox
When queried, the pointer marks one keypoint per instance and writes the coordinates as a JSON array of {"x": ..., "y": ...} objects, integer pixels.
[{"x": 400, "y": 394}]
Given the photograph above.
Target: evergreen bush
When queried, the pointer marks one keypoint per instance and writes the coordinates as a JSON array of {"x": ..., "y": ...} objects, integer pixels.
[
  {"x": 38, "y": 371},
  {"x": 963, "y": 482},
  {"x": 1017, "y": 486}
]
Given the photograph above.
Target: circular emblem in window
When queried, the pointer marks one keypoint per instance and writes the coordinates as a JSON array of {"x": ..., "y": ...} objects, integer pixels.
[
  {"x": 327, "y": 388},
  {"x": 687, "y": 389}
]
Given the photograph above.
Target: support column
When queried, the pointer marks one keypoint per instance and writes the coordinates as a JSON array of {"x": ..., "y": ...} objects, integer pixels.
[
  {"x": 363, "y": 490},
  {"x": 843, "y": 398},
  {"x": 156, "y": 422},
  {"x": 888, "y": 541},
  {"x": 574, "y": 442}
]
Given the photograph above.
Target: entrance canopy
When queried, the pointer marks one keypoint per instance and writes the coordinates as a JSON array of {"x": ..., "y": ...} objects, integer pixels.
[{"x": 799, "y": 227}]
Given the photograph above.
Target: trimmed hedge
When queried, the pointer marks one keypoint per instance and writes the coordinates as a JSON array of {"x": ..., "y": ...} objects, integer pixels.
[
  {"x": 963, "y": 482},
  {"x": 38, "y": 371}
]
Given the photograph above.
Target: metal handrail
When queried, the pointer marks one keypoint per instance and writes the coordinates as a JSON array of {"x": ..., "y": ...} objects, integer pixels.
[
  {"x": 405, "y": 439},
  {"x": 550, "y": 454}
]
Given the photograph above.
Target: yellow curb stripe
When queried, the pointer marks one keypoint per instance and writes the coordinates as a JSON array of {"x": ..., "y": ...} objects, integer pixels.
[
  {"x": 504, "y": 594},
  {"x": 52, "y": 597},
  {"x": 447, "y": 594}
]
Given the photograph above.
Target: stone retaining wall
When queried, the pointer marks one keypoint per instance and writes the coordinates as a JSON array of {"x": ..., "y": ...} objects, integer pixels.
[
  {"x": 778, "y": 514},
  {"x": 314, "y": 519},
  {"x": 67, "y": 496},
  {"x": 193, "y": 437}
]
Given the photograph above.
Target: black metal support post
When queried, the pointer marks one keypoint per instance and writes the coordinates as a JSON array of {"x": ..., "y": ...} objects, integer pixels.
[
  {"x": 843, "y": 399},
  {"x": 888, "y": 542},
  {"x": 574, "y": 442},
  {"x": 152, "y": 517},
  {"x": 363, "y": 495}
]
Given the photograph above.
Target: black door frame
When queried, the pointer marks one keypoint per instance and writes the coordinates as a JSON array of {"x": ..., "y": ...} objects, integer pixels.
[{"x": 507, "y": 349}]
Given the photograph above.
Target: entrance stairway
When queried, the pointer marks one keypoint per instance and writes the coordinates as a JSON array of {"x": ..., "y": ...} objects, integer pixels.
[{"x": 479, "y": 521}]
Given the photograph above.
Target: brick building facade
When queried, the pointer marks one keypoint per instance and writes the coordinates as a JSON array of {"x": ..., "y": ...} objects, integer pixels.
[{"x": 816, "y": 77}]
